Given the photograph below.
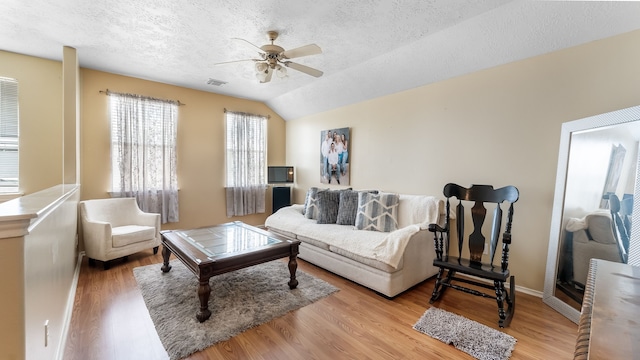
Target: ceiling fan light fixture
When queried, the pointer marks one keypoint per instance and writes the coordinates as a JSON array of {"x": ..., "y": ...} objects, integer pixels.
[
  {"x": 261, "y": 67},
  {"x": 261, "y": 75},
  {"x": 281, "y": 72}
]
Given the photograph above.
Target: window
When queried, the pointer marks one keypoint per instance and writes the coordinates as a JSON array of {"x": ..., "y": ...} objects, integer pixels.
[
  {"x": 143, "y": 152},
  {"x": 246, "y": 160},
  {"x": 8, "y": 135}
]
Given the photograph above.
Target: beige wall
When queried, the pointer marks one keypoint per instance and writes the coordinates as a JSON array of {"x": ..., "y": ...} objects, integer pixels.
[
  {"x": 200, "y": 144},
  {"x": 500, "y": 126},
  {"x": 40, "y": 103}
]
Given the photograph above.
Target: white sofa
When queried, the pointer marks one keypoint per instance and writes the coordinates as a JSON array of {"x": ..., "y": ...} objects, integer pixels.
[{"x": 386, "y": 262}]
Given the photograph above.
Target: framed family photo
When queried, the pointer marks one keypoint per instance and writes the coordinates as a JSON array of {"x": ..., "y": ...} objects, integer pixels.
[{"x": 335, "y": 145}]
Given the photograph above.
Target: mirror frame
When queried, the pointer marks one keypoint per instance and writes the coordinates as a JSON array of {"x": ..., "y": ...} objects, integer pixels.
[{"x": 612, "y": 118}]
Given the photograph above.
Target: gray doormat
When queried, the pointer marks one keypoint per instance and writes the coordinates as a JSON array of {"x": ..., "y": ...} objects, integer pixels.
[{"x": 477, "y": 340}]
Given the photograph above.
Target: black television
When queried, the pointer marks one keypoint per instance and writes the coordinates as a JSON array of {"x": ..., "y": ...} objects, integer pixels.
[{"x": 279, "y": 174}]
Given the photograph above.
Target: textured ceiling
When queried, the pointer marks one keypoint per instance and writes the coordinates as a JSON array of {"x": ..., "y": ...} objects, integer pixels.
[{"x": 370, "y": 48}]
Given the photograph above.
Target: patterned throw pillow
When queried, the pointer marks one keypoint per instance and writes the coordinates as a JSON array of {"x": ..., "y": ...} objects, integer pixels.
[
  {"x": 312, "y": 204},
  {"x": 307, "y": 199},
  {"x": 328, "y": 204},
  {"x": 377, "y": 212},
  {"x": 349, "y": 207}
]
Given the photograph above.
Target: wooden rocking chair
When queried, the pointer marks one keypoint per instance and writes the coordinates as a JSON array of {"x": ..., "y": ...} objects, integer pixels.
[{"x": 479, "y": 195}]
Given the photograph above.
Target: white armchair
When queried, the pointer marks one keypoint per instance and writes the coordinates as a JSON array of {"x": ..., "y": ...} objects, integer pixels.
[{"x": 115, "y": 228}]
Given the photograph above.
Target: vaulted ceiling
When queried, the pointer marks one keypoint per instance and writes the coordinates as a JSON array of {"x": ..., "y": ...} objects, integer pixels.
[{"x": 370, "y": 48}]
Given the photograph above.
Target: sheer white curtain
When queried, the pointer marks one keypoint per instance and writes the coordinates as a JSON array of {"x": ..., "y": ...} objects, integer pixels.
[
  {"x": 246, "y": 163},
  {"x": 143, "y": 152}
]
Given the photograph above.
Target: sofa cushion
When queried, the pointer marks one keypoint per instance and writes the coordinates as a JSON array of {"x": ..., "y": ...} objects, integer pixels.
[
  {"x": 366, "y": 261},
  {"x": 377, "y": 212},
  {"x": 349, "y": 207},
  {"x": 284, "y": 233},
  {"x": 600, "y": 228},
  {"x": 129, "y": 234},
  {"x": 345, "y": 237},
  {"x": 328, "y": 204},
  {"x": 315, "y": 242},
  {"x": 288, "y": 220}
]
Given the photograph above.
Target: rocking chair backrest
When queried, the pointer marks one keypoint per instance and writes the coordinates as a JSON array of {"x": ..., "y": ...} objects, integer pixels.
[
  {"x": 620, "y": 231},
  {"x": 481, "y": 194}
]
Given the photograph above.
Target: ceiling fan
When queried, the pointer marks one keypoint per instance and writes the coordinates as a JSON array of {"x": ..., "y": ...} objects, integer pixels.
[{"x": 274, "y": 58}]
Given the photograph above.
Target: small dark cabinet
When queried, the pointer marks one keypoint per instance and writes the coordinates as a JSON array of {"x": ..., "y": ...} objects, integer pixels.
[{"x": 281, "y": 197}]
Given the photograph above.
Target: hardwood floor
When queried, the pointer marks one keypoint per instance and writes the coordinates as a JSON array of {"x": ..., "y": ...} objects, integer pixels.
[{"x": 110, "y": 321}]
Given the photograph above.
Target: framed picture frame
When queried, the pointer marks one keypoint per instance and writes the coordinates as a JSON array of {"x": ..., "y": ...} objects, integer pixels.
[{"x": 335, "y": 164}]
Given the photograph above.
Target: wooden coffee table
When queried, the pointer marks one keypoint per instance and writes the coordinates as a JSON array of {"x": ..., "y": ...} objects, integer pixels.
[{"x": 215, "y": 250}]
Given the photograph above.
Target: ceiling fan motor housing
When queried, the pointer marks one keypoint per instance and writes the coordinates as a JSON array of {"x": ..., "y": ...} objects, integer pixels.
[{"x": 272, "y": 54}]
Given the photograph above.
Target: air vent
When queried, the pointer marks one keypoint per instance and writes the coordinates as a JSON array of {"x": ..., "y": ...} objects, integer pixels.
[{"x": 215, "y": 82}]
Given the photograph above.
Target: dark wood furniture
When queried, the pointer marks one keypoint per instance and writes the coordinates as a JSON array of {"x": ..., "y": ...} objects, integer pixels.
[
  {"x": 215, "y": 250},
  {"x": 281, "y": 197},
  {"x": 621, "y": 226},
  {"x": 479, "y": 196},
  {"x": 609, "y": 327}
]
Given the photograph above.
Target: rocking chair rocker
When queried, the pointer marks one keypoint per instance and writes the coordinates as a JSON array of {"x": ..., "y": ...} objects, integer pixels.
[{"x": 479, "y": 195}]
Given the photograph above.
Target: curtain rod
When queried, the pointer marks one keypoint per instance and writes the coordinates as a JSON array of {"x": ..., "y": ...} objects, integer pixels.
[
  {"x": 225, "y": 110},
  {"x": 109, "y": 92}
]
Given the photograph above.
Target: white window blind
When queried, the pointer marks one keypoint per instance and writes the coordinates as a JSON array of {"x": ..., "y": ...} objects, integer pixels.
[{"x": 8, "y": 135}]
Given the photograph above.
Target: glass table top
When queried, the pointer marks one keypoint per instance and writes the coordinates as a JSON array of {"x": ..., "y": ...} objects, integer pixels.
[{"x": 219, "y": 240}]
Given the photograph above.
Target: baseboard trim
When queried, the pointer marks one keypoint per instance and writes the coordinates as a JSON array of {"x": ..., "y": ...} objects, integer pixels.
[
  {"x": 69, "y": 309},
  {"x": 519, "y": 288}
]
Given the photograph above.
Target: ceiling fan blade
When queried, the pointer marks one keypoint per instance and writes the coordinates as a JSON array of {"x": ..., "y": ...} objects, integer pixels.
[
  {"x": 252, "y": 45},
  {"x": 268, "y": 78},
  {"x": 235, "y": 61},
  {"x": 303, "y": 68},
  {"x": 311, "y": 49}
]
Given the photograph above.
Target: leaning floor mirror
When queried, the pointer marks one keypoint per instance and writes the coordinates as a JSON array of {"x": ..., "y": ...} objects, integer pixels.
[{"x": 594, "y": 204}]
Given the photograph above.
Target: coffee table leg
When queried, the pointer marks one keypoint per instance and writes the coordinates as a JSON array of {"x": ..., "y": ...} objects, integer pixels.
[
  {"x": 165, "y": 257},
  {"x": 204, "y": 290},
  {"x": 293, "y": 266}
]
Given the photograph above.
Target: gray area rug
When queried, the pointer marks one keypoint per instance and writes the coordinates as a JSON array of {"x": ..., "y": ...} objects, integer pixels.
[
  {"x": 239, "y": 300},
  {"x": 477, "y": 340}
]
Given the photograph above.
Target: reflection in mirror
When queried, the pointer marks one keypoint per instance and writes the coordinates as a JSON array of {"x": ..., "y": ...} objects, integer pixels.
[
  {"x": 594, "y": 203},
  {"x": 616, "y": 162},
  {"x": 597, "y": 161}
]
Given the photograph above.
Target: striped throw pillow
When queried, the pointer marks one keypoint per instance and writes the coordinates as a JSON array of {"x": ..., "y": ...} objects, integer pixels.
[
  {"x": 312, "y": 204},
  {"x": 377, "y": 212},
  {"x": 307, "y": 198}
]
